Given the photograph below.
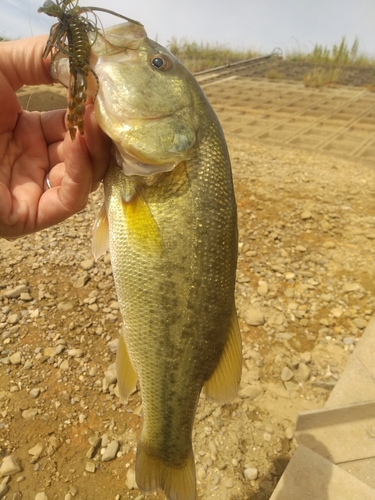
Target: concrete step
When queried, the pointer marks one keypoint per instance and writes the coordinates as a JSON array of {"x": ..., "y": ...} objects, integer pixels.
[
  {"x": 340, "y": 434},
  {"x": 309, "y": 476},
  {"x": 335, "y": 459}
]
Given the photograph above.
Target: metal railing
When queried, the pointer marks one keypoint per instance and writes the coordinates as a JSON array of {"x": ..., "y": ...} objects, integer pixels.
[{"x": 276, "y": 53}]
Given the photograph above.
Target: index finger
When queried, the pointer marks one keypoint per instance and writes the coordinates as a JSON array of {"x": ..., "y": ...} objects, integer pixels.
[{"x": 21, "y": 62}]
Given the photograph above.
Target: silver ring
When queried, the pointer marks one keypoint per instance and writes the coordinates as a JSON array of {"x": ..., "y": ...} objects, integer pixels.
[{"x": 48, "y": 182}]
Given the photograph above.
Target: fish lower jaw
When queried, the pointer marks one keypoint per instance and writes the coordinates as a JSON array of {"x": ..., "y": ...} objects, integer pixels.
[{"x": 132, "y": 166}]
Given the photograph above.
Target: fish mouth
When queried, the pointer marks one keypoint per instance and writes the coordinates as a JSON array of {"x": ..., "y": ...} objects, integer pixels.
[
  {"x": 132, "y": 121},
  {"x": 133, "y": 164}
]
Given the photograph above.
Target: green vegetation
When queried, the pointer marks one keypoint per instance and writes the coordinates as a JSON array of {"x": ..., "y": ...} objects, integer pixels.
[
  {"x": 320, "y": 77},
  {"x": 325, "y": 65},
  {"x": 273, "y": 74},
  {"x": 329, "y": 63},
  {"x": 340, "y": 54},
  {"x": 201, "y": 56}
]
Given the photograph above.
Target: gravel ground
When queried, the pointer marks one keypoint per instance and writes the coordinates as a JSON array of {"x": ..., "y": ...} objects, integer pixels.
[{"x": 305, "y": 293}]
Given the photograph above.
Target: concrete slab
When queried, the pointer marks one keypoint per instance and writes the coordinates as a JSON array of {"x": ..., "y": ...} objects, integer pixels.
[
  {"x": 341, "y": 434},
  {"x": 357, "y": 383},
  {"x": 364, "y": 470},
  {"x": 309, "y": 476},
  {"x": 335, "y": 459},
  {"x": 336, "y": 121}
]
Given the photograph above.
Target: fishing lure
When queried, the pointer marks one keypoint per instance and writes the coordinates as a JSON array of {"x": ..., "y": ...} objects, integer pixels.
[{"x": 70, "y": 35}]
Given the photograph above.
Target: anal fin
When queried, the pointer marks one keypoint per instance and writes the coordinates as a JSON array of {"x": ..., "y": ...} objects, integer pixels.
[
  {"x": 223, "y": 384},
  {"x": 126, "y": 375}
]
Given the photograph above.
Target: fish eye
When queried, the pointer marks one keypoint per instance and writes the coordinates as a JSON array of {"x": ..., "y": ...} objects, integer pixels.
[{"x": 160, "y": 61}]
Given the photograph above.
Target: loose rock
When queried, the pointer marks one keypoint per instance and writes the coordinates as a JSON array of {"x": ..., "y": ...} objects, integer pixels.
[
  {"x": 90, "y": 467},
  {"x": 87, "y": 264},
  {"x": 65, "y": 305},
  {"x": 36, "y": 450},
  {"x": 13, "y": 319},
  {"x": 286, "y": 374},
  {"x": 41, "y": 496},
  {"x": 16, "y": 291},
  {"x": 303, "y": 372},
  {"x": 262, "y": 288},
  {"x": 4, "y": 488},
  {"x": 111, "y": 451},
  {"x": 10, "y": 466},
  {"x": 34, "y": 393},
  {"x": 81, "y": 281},
  {"x": 250, "y": 474},
  {"x": 130, "y": 480},
  {"x": 29, "y": 414},
  {"x": 254, "y": 316},
  {"x": 16, "y": 358},
  {"x": 251, "y": 391}
]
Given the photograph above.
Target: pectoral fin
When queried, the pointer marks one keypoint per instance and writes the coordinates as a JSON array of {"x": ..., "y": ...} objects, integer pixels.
[
  {"x": 223, "y": 384},
  {"x": 141, "y": 226},
  {"x": 100, "y": 238},
  {"x": 126, "y": 375}
]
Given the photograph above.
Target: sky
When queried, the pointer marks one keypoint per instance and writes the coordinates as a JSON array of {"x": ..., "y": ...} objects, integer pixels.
[{"x": 261, "y": 25}]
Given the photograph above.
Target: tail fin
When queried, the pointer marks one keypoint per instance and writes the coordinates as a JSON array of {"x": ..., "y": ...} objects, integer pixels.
[{"x": 152, "y": 473}]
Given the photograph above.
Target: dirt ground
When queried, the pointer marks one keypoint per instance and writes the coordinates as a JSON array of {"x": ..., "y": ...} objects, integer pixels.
[{"x": 305, "y": 292}]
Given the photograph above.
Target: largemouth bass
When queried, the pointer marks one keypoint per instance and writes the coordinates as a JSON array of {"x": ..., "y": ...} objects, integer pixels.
[{"x": 170, "y": 219}]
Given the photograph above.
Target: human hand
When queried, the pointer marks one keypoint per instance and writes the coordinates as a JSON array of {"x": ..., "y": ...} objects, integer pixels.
[{"x": 34, "y": 144}]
